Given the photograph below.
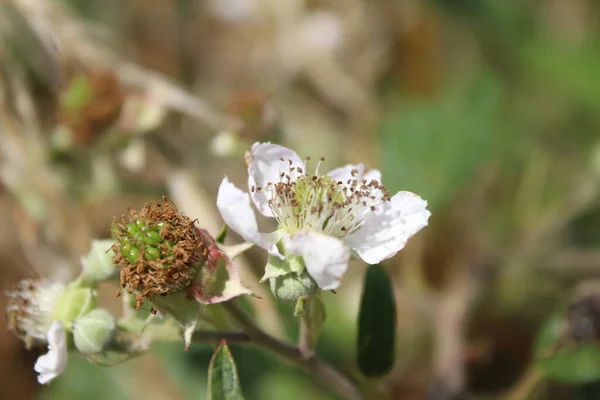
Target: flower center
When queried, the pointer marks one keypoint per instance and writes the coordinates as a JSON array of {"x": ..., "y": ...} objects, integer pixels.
[{"x": 299, "y": 200}]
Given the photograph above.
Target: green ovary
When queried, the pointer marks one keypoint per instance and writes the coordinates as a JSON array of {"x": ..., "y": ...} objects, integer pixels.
[
  {"x": 312, "y": 196},
  {"x": 142, "y": 239}
]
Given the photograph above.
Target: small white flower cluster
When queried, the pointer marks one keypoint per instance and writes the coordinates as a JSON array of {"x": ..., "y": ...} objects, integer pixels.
[
  {"x": 325, "y": 218},
  {"x": 44, "y": 312}
]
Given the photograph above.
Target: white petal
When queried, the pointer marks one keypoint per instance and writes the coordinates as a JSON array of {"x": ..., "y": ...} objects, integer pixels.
[
  {"x": 344, "y": 173},
  {"x": 53, "y": 363},
  {"x": 326, "y": 258},
  {"x": 236, "y": 210},
  {"x": 266, "y": 166},
  {"x": 388, "y": 228}
]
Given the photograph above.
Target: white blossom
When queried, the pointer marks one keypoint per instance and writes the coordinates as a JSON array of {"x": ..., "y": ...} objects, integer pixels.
[{"x": 325, "y": 218}]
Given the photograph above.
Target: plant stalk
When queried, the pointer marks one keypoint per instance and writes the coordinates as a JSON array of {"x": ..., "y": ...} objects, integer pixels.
[{"x": 310, "y": 362}]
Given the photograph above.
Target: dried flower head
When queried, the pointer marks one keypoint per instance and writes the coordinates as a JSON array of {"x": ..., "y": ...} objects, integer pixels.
[
  {"x": 89, "y": 103},
  {"x": 159, "y": 251}
]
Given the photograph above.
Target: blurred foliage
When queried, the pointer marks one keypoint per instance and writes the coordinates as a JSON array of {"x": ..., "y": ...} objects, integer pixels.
[
  {"x": 576, "y": 364},
  {"x": 420, "y": 140}
]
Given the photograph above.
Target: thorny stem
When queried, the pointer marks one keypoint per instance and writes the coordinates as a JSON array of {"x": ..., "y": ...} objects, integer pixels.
[{"x": 310, "y": 362}]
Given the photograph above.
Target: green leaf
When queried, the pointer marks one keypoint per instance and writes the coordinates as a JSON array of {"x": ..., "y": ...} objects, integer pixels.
[
  {"x": 223, "y": 380},
  {"x": 279, "y": 267},
  {"x": 376, "y": 324},
  {"x": 220, "y": 239},
  {"x": 569, "y": 362}
]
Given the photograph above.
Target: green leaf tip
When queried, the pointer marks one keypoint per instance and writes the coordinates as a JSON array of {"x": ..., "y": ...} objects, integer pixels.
[{"x": 223, "y": 380}]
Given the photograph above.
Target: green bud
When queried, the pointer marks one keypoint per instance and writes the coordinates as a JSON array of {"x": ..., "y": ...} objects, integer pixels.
[
  {"x": 73, "y": 303},
  {"x": 97, "y": 264},
  {"x": 93, "y": 331},
  {"x": 292, "y": 286}
]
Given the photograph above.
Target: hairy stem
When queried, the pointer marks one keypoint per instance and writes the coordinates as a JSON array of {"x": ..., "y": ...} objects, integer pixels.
[{"x": 310, "y": 362}]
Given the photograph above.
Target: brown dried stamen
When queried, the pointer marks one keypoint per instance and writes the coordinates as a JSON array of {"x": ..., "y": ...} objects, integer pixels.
[{"x": 17, "y": 307}]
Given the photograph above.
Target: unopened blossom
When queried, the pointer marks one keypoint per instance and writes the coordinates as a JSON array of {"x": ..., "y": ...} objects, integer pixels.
[{"x": 324, "y": 218}]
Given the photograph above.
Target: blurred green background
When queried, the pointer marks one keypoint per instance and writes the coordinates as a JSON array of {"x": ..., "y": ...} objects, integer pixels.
[{"x": 488, "y": 109}]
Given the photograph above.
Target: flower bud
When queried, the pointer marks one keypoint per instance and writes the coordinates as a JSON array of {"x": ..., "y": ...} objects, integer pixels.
[
  {"x": 72, "y": 303},
  {"x": 98, "y": 263},
  {"x": 93, "y": 331},
  {"x": 225, "y": 143},
  {"x": 292, "y": 286}
]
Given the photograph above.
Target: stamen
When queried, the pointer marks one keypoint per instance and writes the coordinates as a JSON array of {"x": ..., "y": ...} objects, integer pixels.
[
  {"x": 318, "y": 165},
  {"x": 314, "y": 200}
]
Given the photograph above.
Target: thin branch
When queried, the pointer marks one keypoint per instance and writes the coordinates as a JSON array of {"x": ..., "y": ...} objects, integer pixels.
[
  {"x": 311, "y": 363},
  {"x": 304, "y": 338},
  {"x": 215, "y": 336},
  {"x": 526, "y": 386}
]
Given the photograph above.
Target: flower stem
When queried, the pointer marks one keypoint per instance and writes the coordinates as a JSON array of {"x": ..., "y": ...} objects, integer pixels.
[
  {"x": 304, "y": 338},
  {"x": 310, "y": 362}
]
